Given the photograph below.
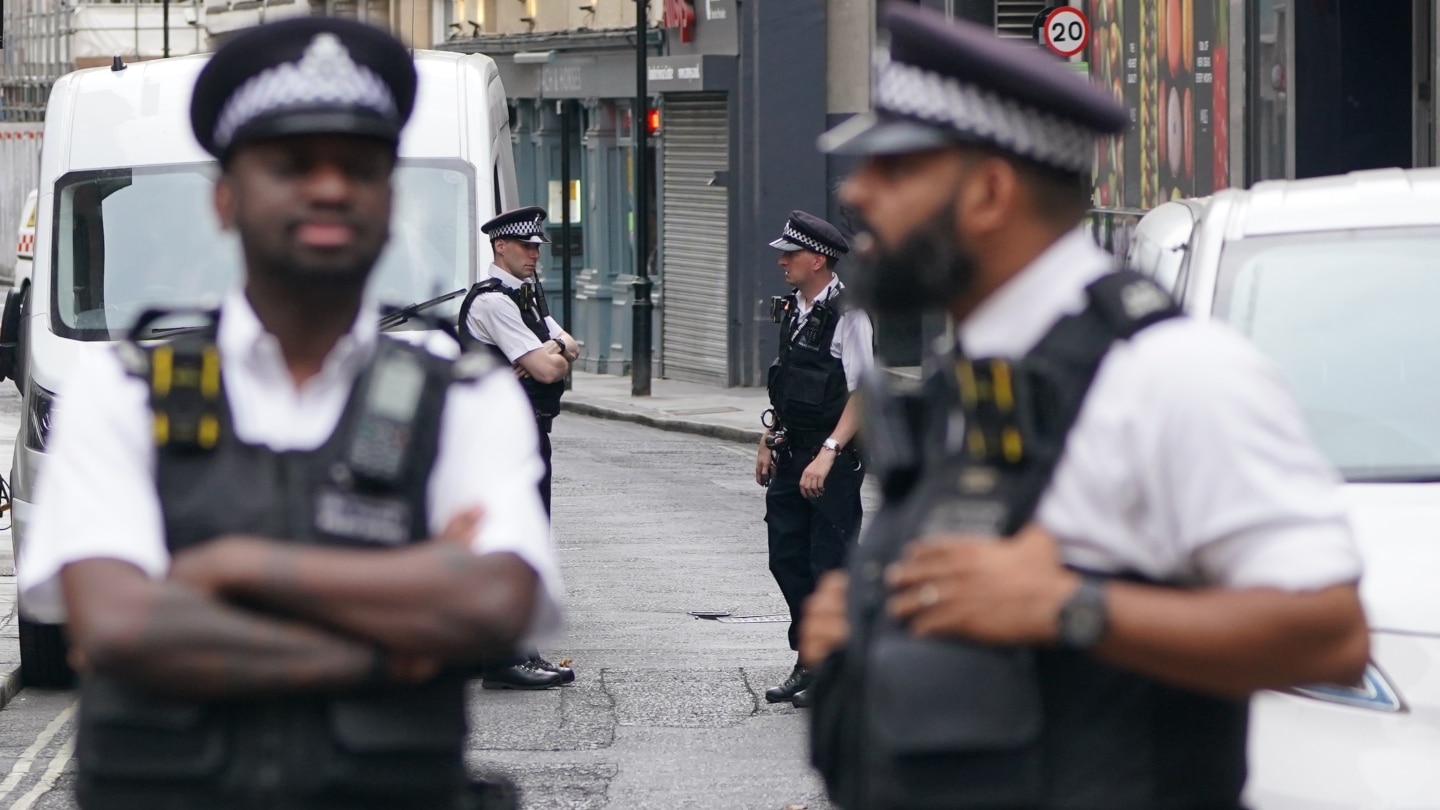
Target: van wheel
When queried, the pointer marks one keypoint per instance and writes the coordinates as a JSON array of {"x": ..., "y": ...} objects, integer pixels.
[{"x": 42, "y": 656}]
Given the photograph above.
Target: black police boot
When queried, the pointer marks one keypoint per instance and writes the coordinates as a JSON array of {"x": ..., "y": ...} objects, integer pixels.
[
  {"x": 803, "y": 699},
  {"x": 526, "y": 675},
  {"x": 799, "y": 679},
  {"x": 567, "y": 675}
]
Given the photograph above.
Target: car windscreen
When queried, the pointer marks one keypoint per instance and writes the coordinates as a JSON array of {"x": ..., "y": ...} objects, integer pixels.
[
  {"x": 129, "y": 240},
  {"x": 1352, "y": 320}
]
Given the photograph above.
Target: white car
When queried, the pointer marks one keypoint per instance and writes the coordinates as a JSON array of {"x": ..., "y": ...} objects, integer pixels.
[{"x": 1337, "y": 281}]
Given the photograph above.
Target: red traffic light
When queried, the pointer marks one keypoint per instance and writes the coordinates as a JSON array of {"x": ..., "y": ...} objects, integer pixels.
[{"x": 652, "y": 122}]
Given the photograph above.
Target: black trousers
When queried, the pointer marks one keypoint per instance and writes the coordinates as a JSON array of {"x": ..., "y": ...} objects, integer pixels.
[
  {"x": 542, "y": 423},
  {"x": 545, "y": 457},
  {"x": 809, "y": 537}
]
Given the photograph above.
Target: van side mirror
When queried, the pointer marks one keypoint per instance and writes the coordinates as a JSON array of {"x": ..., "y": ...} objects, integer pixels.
[{"x": 12, "y": 358}]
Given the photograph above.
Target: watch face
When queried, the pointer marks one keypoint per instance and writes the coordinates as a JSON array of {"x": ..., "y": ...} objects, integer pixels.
[
  {"x": 1083, "y": 620},
  {"x": 1084, "y": 625}
]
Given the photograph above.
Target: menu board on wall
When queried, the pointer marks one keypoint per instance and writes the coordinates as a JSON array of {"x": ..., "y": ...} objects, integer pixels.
[{"x": 1165, "y": 61}]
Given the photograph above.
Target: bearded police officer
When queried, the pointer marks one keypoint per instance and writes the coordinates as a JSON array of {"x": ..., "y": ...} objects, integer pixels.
[
  {"x": 507, "y": 316},
  {"x": 807, "y": 457},
  {"x": 1172, "y": 540},
  {"x": 270, "y": 536}
]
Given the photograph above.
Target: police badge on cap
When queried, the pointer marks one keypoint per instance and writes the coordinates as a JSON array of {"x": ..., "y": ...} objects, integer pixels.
[
  {"x": 303, "y": 76},
  {"x": 522, "y": 224},
  {"x": 808, "y": 232},
  {"x": 944, "y": 82}
]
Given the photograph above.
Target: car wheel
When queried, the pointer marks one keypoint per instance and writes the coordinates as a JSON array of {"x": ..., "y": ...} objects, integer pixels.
[{"x": 42, "y": 656}]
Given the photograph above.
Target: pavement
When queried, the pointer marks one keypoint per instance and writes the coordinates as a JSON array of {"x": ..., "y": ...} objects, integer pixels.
[{"x": 732, "y": 414}]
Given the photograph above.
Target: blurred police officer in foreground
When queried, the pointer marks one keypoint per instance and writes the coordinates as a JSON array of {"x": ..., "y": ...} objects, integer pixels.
[
  {"x": 507, "y": 316},
  {"x": 270, "y": 538},
  {"x": 807, "y": 458},
  {"x": 1187, "y": 549}
]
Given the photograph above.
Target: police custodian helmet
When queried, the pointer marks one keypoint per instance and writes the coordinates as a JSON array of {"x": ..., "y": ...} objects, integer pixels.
[
  {"x": 944, "y": 82},
  {"x": 303, "y": 76}
]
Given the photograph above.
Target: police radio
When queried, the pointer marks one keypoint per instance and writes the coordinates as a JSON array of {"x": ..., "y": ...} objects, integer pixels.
[{"x": 383, "y": 433}]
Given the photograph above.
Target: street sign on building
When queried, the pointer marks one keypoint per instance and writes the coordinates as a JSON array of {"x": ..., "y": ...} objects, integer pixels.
[{"x": 1065, "y": 31}]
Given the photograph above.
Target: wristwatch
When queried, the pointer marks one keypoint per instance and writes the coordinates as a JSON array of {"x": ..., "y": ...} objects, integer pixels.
[
  {"x": 1084, "y": 619},
  {"x": 831, "y": 445}
]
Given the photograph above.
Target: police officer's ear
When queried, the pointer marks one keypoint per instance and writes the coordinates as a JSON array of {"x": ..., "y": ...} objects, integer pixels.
[
  {"x": 990, "y": 196},
  {"x": 225, "y": 201}
]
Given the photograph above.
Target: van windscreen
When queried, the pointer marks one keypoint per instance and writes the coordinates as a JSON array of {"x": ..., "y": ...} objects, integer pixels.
[{"x": 128, "y": 240}]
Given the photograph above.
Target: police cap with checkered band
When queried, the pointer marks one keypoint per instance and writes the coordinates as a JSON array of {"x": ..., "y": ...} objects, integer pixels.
[
  {"x": 523, "y": 225},
  {"x": 303, "y": 76},
  {"x": 808, "y": 232},
  {"x": 942, "y": 82}
]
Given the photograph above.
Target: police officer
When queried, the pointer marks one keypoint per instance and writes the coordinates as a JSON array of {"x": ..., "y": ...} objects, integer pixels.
[
  {"x": 269, "y": 536},
  {"x": 806, "y": 457},
  {"x": 507, "y": 315},
  {"x": 1104, "y": 525}
]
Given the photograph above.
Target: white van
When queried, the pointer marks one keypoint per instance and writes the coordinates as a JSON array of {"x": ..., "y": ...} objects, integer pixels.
[{"x": 126, "y": 223}]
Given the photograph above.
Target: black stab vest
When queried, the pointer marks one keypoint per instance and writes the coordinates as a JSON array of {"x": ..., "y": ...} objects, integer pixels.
[
  {"x": 905, "y": 722},
  {"x": 365, "y": 487},
  {"x": 807, "y": 383},
  {"x": 544, "y": 397}
]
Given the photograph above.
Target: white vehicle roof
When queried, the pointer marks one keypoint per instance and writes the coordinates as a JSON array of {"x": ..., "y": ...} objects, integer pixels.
[
  {"x": 1381, "y": 198},
  {"x": 133, "y": 117}
]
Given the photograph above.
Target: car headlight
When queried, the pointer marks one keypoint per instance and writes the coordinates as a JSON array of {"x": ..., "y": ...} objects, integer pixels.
[
  {"x": 1373, "y": 692},
  {"x": 42, "y": 412}
]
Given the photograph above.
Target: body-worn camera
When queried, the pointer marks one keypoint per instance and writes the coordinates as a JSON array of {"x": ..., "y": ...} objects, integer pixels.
[{"x": 779, "y": 305}]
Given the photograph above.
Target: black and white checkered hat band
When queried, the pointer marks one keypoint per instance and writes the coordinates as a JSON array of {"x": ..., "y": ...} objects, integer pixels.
[
  {"x": 524, "y": 228},
  {"x": 809, "y": 243},
  {"x": 324, "y": 76},
  {"x": 913, "y": 92}
]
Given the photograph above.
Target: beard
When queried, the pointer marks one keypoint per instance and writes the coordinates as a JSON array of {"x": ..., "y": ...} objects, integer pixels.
[
  {"x": 288, "y": 263},
  {"x": 927, "y": 271}
]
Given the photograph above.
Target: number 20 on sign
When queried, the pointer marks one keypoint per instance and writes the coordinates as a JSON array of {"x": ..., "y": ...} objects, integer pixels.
[{"x": 1066, "y": 31}]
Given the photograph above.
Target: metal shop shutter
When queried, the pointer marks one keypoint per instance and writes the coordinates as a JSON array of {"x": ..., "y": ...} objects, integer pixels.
[{"x": 695, "y": 229}]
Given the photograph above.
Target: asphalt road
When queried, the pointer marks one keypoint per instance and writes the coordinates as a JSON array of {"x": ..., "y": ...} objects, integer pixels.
[{"x": 667, "y": 711}]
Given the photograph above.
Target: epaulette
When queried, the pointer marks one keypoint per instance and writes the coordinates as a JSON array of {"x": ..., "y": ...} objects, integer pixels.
[
  {"x": 187, "y": 400},
  {"x": 489, "y": 285}
]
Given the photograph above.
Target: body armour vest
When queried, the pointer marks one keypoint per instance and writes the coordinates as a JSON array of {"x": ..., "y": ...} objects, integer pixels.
[
  {"x": 530, "y": 300},
  {"x": 365, "y": 487},
  {"x": 906, "y": 722},
  {"x": 807, "y": 383}
]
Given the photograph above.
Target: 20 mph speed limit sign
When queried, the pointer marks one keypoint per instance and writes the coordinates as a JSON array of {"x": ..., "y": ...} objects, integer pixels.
[{"x": 1066, "y": 31}]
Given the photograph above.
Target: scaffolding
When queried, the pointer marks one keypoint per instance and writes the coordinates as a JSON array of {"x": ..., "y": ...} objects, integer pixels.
[
  {"x": 45, "y": 39},
  {"x": 36, "y": 53}
]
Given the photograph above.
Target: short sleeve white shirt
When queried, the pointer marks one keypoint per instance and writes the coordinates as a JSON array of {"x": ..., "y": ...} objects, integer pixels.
[
  {"x": 495, "y": 319},
  {"x": 854, "y": 341},
  {"x": 1190, "y": 460},
  {"x": 97, "y": 499}
]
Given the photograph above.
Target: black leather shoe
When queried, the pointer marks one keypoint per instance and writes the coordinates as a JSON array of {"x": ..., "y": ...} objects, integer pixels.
[
  {"x": 520, "y": 676},
  {"x": 799, "y": 679},
  {"x": 803, "y": 699},
  {"x": 567, "y": 675}
]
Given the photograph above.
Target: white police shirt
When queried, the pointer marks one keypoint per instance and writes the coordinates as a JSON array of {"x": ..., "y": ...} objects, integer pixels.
[
  {"x": 854, "y": 341},
  {"x": 495, "y": 319},
  {"x": 1190, "y": 460},
  {"x": 97, "y": 496}
]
